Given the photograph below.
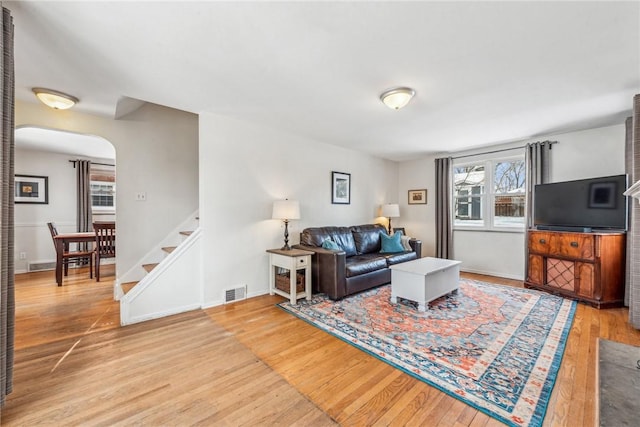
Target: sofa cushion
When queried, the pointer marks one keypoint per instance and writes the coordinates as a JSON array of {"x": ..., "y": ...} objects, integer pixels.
[
  {"x": 400, "y": 257},
  {"x": 331, "y": 245},
  {"x": 361, "y": 264},
  {"x": 405, "y": 243},
  {"x": 367, "y": 237},
  {"x": 315, "y": 236},
  {"x": 391, "y": 244}
]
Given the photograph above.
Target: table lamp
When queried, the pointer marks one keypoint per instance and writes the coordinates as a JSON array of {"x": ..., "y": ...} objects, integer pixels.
[
  {"x": 286, "y": 210},
  {"x": 390, "y": 210}
]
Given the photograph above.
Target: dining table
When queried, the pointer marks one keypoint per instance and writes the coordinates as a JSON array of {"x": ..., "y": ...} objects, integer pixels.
[{"x": 62, "y": 242}]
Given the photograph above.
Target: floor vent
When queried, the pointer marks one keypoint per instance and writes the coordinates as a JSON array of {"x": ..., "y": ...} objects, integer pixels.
[
  {"x": 235, "y": 294},
  {"x": 41, "y": 266}
]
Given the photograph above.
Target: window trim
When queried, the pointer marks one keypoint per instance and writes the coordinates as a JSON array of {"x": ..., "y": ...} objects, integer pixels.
[{"x": 487, "y": 198}]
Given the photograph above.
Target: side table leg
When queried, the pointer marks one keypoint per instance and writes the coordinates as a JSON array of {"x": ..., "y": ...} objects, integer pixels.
[
  {"x": 293, "y": 297},
  {"x": 272, "y": 271},
  {"x": 307, "y": 282}
]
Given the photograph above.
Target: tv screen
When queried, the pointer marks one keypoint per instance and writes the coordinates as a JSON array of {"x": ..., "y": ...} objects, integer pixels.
[{"x": 596, "y": 203}]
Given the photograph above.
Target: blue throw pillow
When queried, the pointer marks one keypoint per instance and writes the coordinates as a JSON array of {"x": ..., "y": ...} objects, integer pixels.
[
  {"x": 331, "y": 245},
  {"x": 391, "y": 244}
]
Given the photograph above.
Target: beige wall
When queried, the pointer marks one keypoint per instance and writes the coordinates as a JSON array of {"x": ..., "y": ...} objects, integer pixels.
[
  {"x": 583, "y": 154},
  {"x": 245, "y": 167},
  {"x": 156, "y": 152}
]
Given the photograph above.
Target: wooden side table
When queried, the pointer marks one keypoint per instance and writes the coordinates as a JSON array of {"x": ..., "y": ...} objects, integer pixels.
[{"x": 292, "y": 260}]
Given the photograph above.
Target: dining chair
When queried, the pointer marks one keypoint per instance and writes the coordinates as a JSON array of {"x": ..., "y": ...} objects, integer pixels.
[
  {"x": 67, "y": 255},
  {"x": 105, "y": 242}
]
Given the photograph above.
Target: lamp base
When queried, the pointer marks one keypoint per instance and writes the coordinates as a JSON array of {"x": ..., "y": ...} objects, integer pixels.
[
  {"x": 389, "y": 226},
  {"x": 286, "y": 246}
]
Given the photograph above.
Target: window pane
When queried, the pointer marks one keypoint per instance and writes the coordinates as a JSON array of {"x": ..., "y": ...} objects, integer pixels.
[
  {"x": 468, "y": 211},
  {"x": 468, "y": 179},
  {"x": 509, "y": 211},
  {"x": 509, "y": 177},
  {"x": 103, "y": 194}
]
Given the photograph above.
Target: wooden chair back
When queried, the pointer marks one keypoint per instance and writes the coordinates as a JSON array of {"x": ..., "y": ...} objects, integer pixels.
[{"x": 105, "y": 242}]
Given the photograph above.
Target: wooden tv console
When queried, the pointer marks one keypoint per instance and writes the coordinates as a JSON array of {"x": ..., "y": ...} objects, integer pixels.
[{"x": 589, "y": 267}]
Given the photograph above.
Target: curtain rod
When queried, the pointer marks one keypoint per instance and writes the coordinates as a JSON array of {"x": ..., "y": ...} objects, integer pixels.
[
  {"x": 503, "y": 149},
  {"x": 93, "y": 163}
]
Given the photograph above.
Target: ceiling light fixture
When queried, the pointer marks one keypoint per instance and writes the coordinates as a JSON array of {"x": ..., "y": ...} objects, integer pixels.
[
  {"x": 55, "y": 99},
  {"x": 398, "y": 97}
]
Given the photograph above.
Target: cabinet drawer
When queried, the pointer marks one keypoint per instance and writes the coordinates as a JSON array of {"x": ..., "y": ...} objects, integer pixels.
[
  {"x": 539, "y": 242},
  {"x": 302, "y": 261},
  {"x": 581, "y": 246}
]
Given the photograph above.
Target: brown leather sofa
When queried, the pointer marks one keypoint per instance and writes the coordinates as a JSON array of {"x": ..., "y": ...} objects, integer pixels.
[{"x": 358, "y": 266}]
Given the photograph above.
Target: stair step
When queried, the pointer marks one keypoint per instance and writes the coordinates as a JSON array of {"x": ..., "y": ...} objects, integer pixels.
[
  {"x": 186, "y": 233},
  {"x": 126, "y": 287},
  {"x": 149, "y": 267},
  {"x": 169, "y": 249}
]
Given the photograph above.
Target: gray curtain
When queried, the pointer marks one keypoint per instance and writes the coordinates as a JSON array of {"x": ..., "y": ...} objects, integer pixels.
[
  {"x": 633, "y": 208},
  {"x": 444, "y": 227},
  {"x": 84, "y": 219},
  {"x": 633, "y": 236},
  {"x": 537, "y": 160},
  {"x": 7, "y": 302}
]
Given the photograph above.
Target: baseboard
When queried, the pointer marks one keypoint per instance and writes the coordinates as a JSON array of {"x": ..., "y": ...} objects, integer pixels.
[
  {"x": 493, "y": 273},
  {"x": 160, "y": 314}
]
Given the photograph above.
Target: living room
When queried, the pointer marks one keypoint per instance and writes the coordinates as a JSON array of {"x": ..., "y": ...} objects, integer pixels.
[{"x": 246, "y": 160}]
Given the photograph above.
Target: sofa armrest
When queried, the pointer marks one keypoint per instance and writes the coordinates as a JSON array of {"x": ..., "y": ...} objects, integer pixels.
[
  {"x": 416, "y": 245},
  {"x": 328, "y": 271}
]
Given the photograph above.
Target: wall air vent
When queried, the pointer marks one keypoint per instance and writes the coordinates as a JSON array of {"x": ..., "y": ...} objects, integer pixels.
[
  {"x": 41, "y": 266},
  {"x": 235, "y": 294}
]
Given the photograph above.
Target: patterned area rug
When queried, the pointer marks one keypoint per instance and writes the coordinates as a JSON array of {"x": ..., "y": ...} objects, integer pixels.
[{"x": 494, "y": 347}]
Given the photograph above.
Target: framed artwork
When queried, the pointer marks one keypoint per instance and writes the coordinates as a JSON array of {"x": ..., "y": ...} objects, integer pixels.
[
  {"x": 400, "y": 229},
  {"x": 417, "y": 197},
  {"x": 31, "y": 189},
  {"x": 340, "y": 188}
]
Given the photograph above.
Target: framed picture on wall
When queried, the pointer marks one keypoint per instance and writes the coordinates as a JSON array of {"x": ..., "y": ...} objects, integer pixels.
[
  {"x": 417, "y": 197},
  {"x": 340, "y": 188},
  {"x": 31, "y": 189}
]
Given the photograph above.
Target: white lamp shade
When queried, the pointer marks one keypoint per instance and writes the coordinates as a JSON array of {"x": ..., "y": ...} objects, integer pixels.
[
  {"x": 286, "y": 209},
  {"x": 390, "y": 210}
]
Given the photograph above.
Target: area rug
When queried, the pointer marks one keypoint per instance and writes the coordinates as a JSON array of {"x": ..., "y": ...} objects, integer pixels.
[{"x": 496, "y": 348}]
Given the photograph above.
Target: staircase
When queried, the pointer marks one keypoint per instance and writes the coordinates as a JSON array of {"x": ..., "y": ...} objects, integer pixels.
[{"x": 166, "y": 281}]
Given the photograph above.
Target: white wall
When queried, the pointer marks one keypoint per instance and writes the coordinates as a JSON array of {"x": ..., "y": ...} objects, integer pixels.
[
  {"x": 583, "y": 154},
  {"x": 32, "y": 236},
  {"x": 245, "y": 167},
  {"x": 157, "y": 153}
]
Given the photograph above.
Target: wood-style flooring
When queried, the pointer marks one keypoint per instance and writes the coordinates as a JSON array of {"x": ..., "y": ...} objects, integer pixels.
[{"x": 246, "y": 363}]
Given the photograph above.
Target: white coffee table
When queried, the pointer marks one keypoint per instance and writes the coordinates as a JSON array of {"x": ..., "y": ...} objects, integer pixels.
[{"x": 423, "y": 280}]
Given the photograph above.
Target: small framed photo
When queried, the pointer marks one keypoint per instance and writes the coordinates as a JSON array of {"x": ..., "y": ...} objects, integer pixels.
[
  {"x": 400, "y": 229},
  {"x": 417, "y": 197},
  {"x": 340, "y": 188},
  {"x": 31, "y": 189}
]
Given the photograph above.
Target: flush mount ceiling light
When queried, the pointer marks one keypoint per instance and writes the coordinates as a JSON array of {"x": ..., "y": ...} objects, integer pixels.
[
  {"x": 55, "y": 99},
  {"x": 398, "y": 97}
]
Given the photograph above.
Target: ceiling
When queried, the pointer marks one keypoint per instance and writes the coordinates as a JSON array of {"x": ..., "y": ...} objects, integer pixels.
[{"x": 484, "y": 72}]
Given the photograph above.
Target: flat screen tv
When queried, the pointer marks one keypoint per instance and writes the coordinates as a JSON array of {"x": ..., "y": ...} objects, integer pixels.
[{"x": 582, "y": 205}]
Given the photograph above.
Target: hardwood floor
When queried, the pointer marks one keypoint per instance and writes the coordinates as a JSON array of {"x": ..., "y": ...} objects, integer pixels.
[
  {"x": 246, "y": 363},
  {"x": 74, "y": 365}
]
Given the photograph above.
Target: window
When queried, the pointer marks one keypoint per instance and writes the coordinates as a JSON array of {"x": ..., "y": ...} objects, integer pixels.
[
  {"x": 103, "y": 189},
  {"x": 489, "y": 194},
  {"x": 103, "y": 195}
]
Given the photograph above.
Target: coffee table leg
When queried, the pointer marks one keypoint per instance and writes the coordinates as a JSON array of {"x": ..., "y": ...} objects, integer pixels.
[
  {"x": 422, "y": 307},
  {"x": 394, "y": 299}
]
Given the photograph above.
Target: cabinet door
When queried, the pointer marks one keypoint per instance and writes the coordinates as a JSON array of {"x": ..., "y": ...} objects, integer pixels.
[
  {"x": 585, "y": 279},
  {"x": 535, "y": 269}
]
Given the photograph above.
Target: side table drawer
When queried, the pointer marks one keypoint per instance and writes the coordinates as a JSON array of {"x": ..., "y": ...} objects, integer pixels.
[{"x": 302, "y": 261}]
